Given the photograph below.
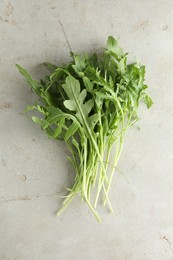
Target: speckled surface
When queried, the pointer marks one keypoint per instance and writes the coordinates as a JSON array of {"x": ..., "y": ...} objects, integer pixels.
[{"x": 34, "y": 169}]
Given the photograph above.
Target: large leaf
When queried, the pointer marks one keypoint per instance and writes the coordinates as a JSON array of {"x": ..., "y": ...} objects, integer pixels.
[
  {"x": 76, "y": 99},
  {"x": 81, "y": 109}
]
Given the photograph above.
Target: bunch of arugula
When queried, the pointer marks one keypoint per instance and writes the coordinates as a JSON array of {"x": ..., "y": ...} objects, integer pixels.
[{"x": 90, "y": 104}]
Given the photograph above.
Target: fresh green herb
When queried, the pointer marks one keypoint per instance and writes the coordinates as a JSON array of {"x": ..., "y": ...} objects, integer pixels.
[{"x": 90, "y": 104}]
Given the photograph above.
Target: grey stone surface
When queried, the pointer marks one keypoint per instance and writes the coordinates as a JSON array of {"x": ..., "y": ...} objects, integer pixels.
[{"x": 34, "y": 169}]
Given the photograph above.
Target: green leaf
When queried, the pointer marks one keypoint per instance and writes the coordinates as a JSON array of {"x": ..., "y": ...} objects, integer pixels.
[
  {"x": 148, "y": 101},
  {"x": 36, "y": 107},
  {"x": 71, "y": 130},
  {"x": 104, "y": 96},
  {"x": 50, "y": 66},
  {"x": 92, "y": 120},
  {"x": 49, "y": 132},
  {"x": 93, "y": 60},
  {"x": 112, "y": 46},
  {"x": 76, "y": 99},
  {"x": 57, "y": 131},
  {"x": 43, "y": 123},
  {"x": 121, "y": 65},
  {"x": 55, "y": 115},
  {"x": 72, "y": 88},
  {"x": 91, "y": 73},
  {"x": 33, "y": 83},
  {"x": 30, "y": 108},
  {"x": 79, "y": 63},
  {"x": 87, "y": 107},
  {"x": 88, "y": 84}
]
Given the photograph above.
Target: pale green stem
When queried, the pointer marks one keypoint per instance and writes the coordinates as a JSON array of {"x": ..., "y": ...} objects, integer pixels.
[
  {"x": 113, "y": 169},
  {"x": 102, "y": 171},
  {"x": 93, "y": 210},
  {"x": 84, "y": 167},
  {"x": 66, "y": 205},
  {"x": 107, "y": 198},
  {"x": 122, "y": 138}
]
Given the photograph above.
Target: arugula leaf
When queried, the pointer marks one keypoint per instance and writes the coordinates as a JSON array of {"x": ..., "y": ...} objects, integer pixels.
[
  {"x": 148, "y": 101},
  {"x": 76, "y": 99},
  {"x": 71, "y": 130},
  {"x": 114, "y": 49},
  {"x": 33, "y": 83}
]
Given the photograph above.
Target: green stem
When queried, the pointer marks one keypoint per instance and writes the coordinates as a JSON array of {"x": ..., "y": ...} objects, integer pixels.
[
  {"x": 90, "y": 171},
  {"x": 122, "y": 138},
  {"x": 93, "y": 210},
  {"x": 84, "y": 167},
  {"x": 113, "y": 169},
  {"x": 66, "y": 205},
  {"x": 107, "y": 198},
  {"x": 102, "y": 175}
]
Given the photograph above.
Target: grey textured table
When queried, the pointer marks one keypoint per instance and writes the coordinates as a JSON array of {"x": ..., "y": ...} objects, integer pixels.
[{"x": 34, "y": 169}]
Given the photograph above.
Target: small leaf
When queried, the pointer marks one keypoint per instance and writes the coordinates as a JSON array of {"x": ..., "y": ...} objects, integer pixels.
[
  {"x": 90, "y": 73},
  {"x": 93, "y": 60},
  {"x": 36, "y": 119},
  {"x": 49, "y": 132},
  {"x": 41, "y": 109},
  {"x": 88, "y": 84},
  {"x": 33, "y": 83},
  {"x": 57, "y": 75},
  {"x": 112, "y": 46},
  {"x": 121, "y": 65},
  {"x": 111, "y": 83},
  {"x": 103, "y": 95},
  {"x": 79, "y": 63},
  {"x": 43, "y": 123},
  {"x": 50, "y": 66},
  {"x": 55, "y": 115},
  {"x": 57, "y": 131},
  {"x": 148, "y": 101},
  {"x": 71, "y": 130},
  {"x": 30, "y": 108},
  {"x": 111, "y": 43}
]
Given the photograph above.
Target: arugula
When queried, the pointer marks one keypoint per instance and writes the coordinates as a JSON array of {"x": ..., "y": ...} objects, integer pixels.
[{"x": 90, "y": 103}]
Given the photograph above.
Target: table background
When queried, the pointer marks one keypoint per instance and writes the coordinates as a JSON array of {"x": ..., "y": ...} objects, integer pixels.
[{"x": 34, "y": 169}]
